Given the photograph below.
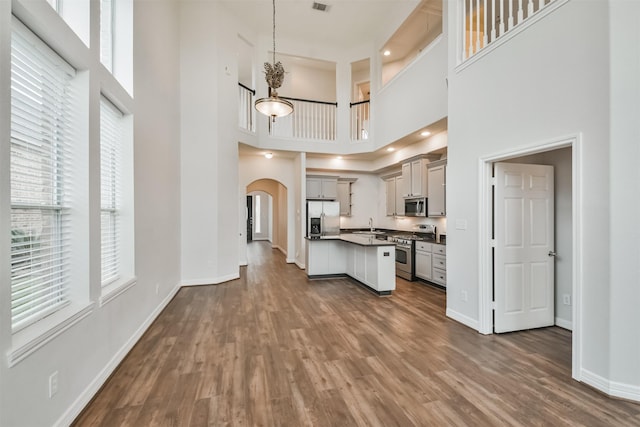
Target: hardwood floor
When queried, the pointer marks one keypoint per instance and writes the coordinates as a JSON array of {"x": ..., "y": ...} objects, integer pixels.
[{"x": 274, "y": 349}]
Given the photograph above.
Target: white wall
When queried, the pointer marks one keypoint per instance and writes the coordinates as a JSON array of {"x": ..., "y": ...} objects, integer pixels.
[
  {"x": 303, "y": 82},
  {"x": 209, "y": 152},
  {"x": 85, "y": 354},
  {"x": 417, "y": 97},
  {"x": 550, "y": 81},
  {"x": 624, "y": 198}
]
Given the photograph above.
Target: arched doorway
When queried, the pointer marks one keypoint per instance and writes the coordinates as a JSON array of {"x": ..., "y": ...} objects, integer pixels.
[{"x": 279, "y": 218}]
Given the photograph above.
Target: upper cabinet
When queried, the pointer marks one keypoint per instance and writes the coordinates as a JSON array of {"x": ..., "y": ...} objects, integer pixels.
[
  {"x": 322, "y": 187},
  {"x": 437, "y": 188},
  {"x": 395, "y": 202},
  {"x": 414, "y": 178},
  {"x": 344, "y": 195}
]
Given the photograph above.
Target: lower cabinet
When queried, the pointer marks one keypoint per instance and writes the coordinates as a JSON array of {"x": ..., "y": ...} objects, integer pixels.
[
  {"x": 431, "y": 262},
  {"x": 423, "y": 260}
]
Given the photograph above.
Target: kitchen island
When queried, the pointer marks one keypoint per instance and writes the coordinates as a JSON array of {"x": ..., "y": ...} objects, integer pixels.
[{"x": 363, "y": 257}]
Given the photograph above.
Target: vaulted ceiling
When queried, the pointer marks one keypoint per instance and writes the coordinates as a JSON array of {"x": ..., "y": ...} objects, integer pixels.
[{"x": 344, "y": 23}]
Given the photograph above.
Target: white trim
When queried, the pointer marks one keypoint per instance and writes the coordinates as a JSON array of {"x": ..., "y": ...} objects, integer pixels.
[
  {"x": 112, "y": 291},
  {"x": 300, "y": 265},
  {"x": 611, "y": 388},
  {"x": 503, "y": 39},
  {"x": 243, "y": 263},
  {"x": 32, "y": 338},
  {"x": 290, "y": 260},
  {"x": 485, "y": 285},
  {"x": 465, "y": 320},
  {"x": 85, "y": 397},
  {"x": 211, "y": 280},
  {"x": 565, "y": 324}
]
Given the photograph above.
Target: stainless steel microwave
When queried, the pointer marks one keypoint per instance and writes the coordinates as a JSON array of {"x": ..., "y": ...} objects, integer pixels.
[{"x": 415, "y": 206}]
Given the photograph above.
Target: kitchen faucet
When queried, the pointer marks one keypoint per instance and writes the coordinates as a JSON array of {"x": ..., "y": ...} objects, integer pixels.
[{"x": 371, "y": 224}]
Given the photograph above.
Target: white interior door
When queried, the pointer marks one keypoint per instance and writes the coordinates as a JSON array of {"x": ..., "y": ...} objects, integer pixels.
[{"x": 524, "y": 252}]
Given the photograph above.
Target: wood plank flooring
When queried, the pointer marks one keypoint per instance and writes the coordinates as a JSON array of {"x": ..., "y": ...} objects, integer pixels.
[{"x": 275, "y": 349}]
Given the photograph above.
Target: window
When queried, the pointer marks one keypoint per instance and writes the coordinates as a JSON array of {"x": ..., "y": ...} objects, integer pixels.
[
  {"x": 41, "y": 191},
  {"x": 116, "y": 40},
  {"x": 106, "y": 33},
  {"x": 111, "y": 145},
  {"x": 258, "y": 215}
]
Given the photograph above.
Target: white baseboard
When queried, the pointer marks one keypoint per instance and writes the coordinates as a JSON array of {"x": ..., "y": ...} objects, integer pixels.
[
  {"x": 300, "y": 265},
  {"x": 465, "y": 320},
  {"x": 85, "y": 397},
  {"x": 565, "y": 324},
  {"x": 290, "y": 260},
  {"x": 612, "y": 388},
  {"x": 210, "y": 280}
]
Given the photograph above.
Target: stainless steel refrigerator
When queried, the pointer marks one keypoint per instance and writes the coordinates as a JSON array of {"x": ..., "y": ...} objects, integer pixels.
[{"x": 323, "y": 219}]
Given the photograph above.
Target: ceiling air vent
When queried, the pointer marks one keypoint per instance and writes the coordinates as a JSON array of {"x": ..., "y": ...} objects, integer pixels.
[{"x": 320, "y": 6}]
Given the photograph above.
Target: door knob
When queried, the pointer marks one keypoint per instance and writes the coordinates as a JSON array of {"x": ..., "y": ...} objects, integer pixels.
[{"x": 552, "y": 253}]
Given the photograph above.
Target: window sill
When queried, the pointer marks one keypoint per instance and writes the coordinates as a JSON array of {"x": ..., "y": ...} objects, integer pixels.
[
  {"x": 115, "y": 289},
  {"x": 32, "y": 338}
]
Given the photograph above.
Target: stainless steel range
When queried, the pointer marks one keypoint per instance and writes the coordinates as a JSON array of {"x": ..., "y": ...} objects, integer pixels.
[
  {"x": 404, "y": 257},
  {"x": 406, "y": 252}
]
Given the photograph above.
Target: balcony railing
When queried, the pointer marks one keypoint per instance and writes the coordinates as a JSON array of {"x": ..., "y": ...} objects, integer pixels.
[
  {"x": 315, "y": 120},
  {"x": 485, "y": 21},
  {"x": 360, "y": 120},
  {"x": 245, "y": 108}
]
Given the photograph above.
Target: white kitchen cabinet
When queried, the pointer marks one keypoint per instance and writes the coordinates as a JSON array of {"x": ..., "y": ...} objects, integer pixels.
[
  {"x": 437, "y": 190},
  {"x": 431, "y": 262},
  {"x": 395, "y": 201},
  {"x": 423, "y": 264},
  {"x": 344, "y": 197},
  {"x": 414, "y": 175},
  {"x": 439, "y": 270},
  {"x": 322, "y": 188}
]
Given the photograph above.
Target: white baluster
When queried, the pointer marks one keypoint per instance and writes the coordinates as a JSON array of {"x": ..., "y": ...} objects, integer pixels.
[
  {"x": 485, "y": 33},
  {"x": 530, "y": 9},
  {"x": 477, "y": 25},
  {"x": 471, "y": 45},
  {"x": 540, "y": 5},
  {"x": 464, "y": 30},
  {"x": 502, "y": 17},
  {"x": 520, "y": 12},
  {"x": 493, "y": 20},
  {"x": 510, "y": 26}
]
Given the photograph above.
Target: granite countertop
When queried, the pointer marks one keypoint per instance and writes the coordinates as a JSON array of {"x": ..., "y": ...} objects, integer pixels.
[
  {"x": 365, "y": 240},
  {"x": 441, "y": 240},
  {"x": 358, "y": 239}
]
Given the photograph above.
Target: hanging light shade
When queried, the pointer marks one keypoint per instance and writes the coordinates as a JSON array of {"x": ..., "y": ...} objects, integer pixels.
[{"x": 274, "y": 106}]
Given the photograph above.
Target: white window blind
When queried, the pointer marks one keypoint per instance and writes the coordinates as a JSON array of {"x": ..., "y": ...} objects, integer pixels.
[
  {"x": 41, "y": 186},
  {"x": 111, "y": 140}
]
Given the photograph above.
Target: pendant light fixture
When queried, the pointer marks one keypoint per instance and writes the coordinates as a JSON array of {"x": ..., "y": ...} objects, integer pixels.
[{"x": 274, "y": 106}]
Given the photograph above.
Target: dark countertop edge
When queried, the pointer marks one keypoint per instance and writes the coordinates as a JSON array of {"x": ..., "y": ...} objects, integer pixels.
[
  {"x": 373, "y": 244},
  {"x": 395, "y": 233}
]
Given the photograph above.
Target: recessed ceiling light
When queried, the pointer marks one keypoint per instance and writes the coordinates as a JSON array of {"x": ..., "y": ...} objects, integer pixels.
[
  {"x": 386, "y": 53},
  {"x": 425, "y": 133},
  {"x": 268, "y": 155},
  {"x": 391, "y": 149}
]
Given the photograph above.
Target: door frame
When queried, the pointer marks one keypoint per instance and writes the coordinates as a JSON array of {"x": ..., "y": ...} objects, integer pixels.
[{"x": 485, "y": 221}]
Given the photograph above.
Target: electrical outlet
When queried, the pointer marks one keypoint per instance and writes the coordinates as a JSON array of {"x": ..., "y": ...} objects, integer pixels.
[
  {"x": 157, "y": 288},
  {"x": 53, "y": 384},
  {"x": 566, "y": 299},
  {"x": 464, "y": 296}
]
